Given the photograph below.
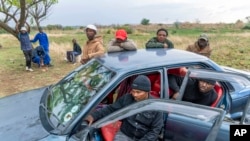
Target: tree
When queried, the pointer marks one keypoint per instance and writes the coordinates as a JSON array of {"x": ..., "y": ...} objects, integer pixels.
[
  {"x": 145, "y": 21},
  {"x": 248, "y": 19},
  {"x": 23, "y": 12}
]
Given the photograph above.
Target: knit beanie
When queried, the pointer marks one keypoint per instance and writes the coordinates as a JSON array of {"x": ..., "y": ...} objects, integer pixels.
[
  {"x": 212, "y": 82},
  {"x": 142, "y": 82}
]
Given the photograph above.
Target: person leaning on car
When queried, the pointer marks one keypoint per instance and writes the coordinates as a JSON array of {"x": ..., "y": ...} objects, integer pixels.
[
  {"x": 197, "y": 91},
  {"x": 160, "y": 41},
  {"x": 121, "y": 42},
  {"x": 201, "y": 46},
  {"x": 145, "y": 126},
  {"x": 94, "y": 46}
]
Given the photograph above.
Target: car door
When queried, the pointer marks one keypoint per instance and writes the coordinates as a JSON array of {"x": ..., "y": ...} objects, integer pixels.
[
  {"x": 206, "y": 74},
  {"x": 186, "y": 113},
  {"x": 224, "y": 79}
]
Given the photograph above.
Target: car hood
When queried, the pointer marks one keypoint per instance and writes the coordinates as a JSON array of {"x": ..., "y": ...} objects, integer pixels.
[
  {"x": 19, "y": 115},
  {"x": 229, "y": 69}
]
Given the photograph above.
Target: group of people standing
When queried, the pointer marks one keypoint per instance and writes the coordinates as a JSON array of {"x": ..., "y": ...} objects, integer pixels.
[
  {"x": 94, "y": 46},
  {"x": 40, "y": 54}
]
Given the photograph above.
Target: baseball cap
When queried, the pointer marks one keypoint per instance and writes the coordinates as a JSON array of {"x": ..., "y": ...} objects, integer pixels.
[
  {"x": 121, "y": 34},
  {"x": 23, "y": 28},
  {"x": 204, "y": 37},
  {"x": 91, "y": 26}
]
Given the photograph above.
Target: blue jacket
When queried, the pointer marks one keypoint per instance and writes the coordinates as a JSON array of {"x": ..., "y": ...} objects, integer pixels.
[
  {"x": 25, "y": 41},
  {"x": 43, "y": 40}
]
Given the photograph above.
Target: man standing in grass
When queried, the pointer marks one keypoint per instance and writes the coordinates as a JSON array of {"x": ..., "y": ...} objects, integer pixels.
[
  {"x": 94, "y": 46},
  {"x": 201, "y": 46},
  {"x": 43, "y": 41}
]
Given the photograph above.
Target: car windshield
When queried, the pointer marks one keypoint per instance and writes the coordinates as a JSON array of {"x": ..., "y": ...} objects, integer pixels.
[{"x": 72, "y": 93}]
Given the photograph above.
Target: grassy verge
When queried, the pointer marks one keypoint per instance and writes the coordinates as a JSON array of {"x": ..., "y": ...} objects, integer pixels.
[{"x": 231, "y": 47}]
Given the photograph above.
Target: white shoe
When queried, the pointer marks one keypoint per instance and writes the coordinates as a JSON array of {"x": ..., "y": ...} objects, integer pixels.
[
  {"x": 26, "y": 68},
  {"x": 30, "y": 69}
]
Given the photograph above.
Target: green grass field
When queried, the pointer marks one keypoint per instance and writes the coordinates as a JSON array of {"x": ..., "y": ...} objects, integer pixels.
[{"x": 231, "y": 47}]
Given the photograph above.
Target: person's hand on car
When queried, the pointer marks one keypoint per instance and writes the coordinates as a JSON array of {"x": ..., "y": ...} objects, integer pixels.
[
  {"x": 89, "y": 119},
  {"x": 175, "y": 96}
]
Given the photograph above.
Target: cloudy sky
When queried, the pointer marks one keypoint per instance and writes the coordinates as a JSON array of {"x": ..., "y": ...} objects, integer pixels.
[{"x": 106, "y": 12}]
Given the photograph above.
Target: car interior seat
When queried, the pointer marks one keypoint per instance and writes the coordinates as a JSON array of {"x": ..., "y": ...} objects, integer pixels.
[{"x": 219, "y": 92}]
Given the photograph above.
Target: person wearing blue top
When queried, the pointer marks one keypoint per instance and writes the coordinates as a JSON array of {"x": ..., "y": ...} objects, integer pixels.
[
  {"x": 26, "y": 46},
  {"x": 43, "y": 39},
  {"x": 40, "y": 57}
]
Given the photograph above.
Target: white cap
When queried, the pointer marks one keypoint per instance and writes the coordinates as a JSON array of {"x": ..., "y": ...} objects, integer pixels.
[
  {"x": 23, "y": 28},
  {"x": 91, "y": 26}
]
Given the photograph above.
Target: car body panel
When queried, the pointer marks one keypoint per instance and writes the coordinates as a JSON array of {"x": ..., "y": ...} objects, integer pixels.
[
  {"x": 122, "y": 65},
  {"x": 19, "y": 116}
]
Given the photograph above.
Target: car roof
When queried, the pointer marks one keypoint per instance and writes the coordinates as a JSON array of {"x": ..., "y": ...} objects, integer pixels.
[{"x": 148, "y": 58}]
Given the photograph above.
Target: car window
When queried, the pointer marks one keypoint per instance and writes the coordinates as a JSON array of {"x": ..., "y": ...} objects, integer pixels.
[{"x": 72, "y": 93}]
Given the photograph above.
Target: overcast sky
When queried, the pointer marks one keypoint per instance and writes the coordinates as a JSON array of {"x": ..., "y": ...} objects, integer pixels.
[{"x": 106, "y": 12}]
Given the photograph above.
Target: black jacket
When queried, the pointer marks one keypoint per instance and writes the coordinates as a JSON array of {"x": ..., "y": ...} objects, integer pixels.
[
  {"x": 192, "y": 92},
  {"x": 144, "y": 126},
  {"x": 77, "y": 48}
]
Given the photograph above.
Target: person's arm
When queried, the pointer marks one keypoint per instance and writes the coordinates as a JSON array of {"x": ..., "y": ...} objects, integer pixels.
[
  {"x": 156, "y": 127},
  {"x": 35, "y": 39},
  {"x": 152, "y": 43},
  {"x": 28, "y": 27},
  {"x": 98, "y": 114},
  {"x": 128, "y": 45},
  {"x": 174, "y": 84},
  {"x": 206, "y": 51},
  {"x": 170, "y": 44},
  {"x": 113, "y": 46}
]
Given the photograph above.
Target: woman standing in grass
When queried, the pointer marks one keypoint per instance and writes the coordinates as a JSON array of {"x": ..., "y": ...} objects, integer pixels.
[
  {"x": 160, "y": 41},
  {"x": 26, "y": 47}
]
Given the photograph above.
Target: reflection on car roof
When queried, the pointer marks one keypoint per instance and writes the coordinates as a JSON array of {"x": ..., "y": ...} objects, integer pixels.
[{"x": 147, "y": 58}]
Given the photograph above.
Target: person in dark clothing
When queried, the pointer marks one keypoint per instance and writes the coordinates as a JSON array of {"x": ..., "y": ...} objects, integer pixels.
[
  {"x": 160, "y": 41},
  {"x": 26, "y": 46},
  {"x": 197, "y": 91},
  {"x": 71, "y": 55},
  {"x": 145, "y": 126},
  {"x": 40, "y": 57}
]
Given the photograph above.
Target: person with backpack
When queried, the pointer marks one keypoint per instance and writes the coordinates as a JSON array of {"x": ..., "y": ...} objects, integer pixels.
[{"x": 71, "y": 55}]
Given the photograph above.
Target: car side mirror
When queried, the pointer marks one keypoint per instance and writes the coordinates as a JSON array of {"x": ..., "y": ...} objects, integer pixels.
[{"x": 245, "y": 119}]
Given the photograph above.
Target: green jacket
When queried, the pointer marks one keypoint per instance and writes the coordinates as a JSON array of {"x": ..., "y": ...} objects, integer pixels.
[{"x": 153, "y": 43}]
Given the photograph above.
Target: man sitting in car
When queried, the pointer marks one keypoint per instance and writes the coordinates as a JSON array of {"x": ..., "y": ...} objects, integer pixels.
[
  {"x": 197, "y": 91},
  {"x": 145, "y": 126}
]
